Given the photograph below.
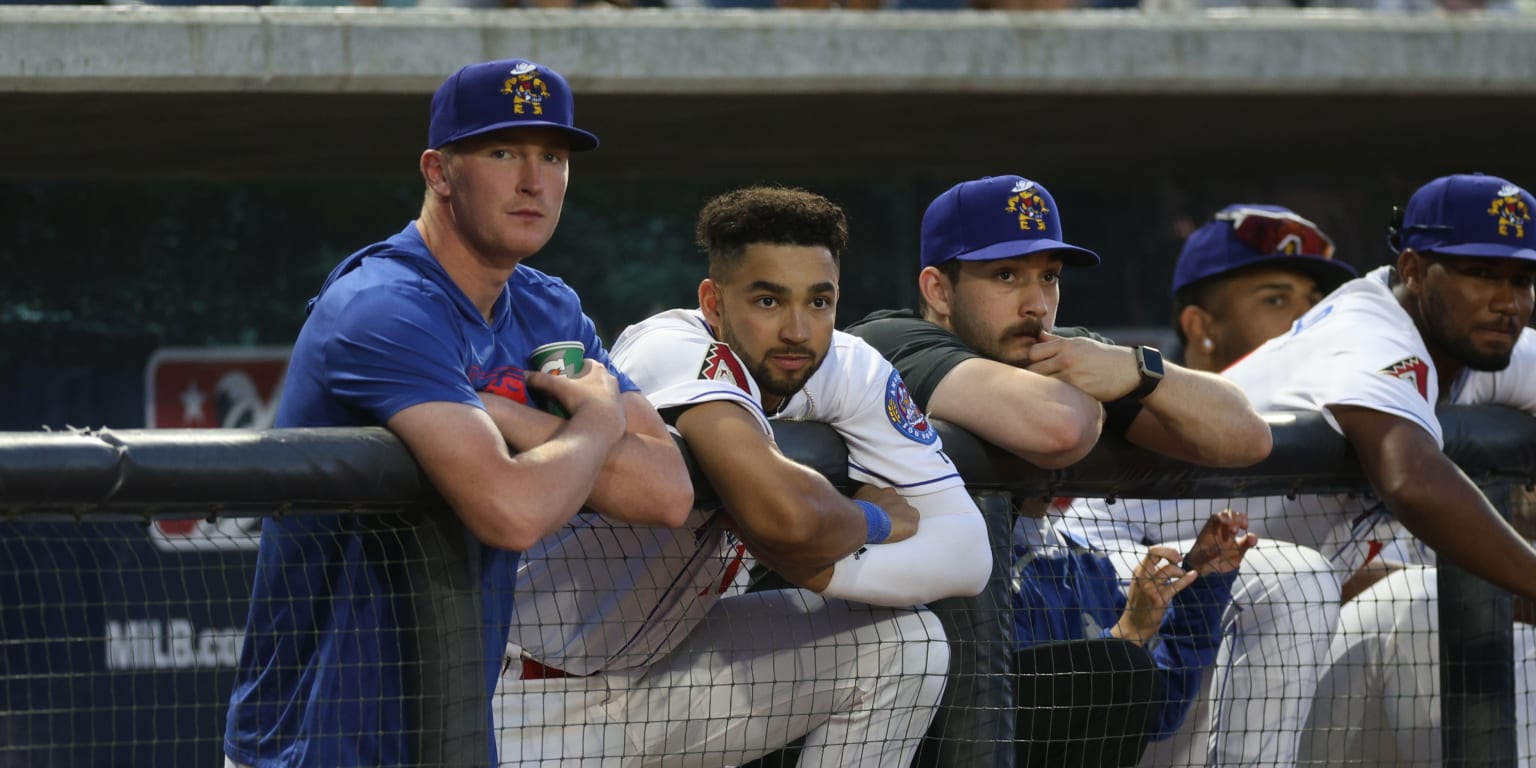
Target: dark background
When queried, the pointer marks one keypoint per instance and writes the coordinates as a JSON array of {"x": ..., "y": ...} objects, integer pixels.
[{"x": 140, "y": 220}]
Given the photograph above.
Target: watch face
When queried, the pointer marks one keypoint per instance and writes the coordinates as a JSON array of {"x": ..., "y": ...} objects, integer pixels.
[{"x": 1149, "y": 363}]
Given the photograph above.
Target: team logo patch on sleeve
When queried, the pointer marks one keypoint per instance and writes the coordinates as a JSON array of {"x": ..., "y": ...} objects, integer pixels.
[
  {"x": 904, "y": 414},
  {"x": 1412, "y": 370},
  {"x": 721, "y": 364}
]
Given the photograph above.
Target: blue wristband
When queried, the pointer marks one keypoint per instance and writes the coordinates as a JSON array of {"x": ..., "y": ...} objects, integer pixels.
[{"x": 878, "y": 522}]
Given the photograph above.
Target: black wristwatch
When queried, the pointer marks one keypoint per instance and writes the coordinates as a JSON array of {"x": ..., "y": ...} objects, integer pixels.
[{"x": 1149, "y": 363}]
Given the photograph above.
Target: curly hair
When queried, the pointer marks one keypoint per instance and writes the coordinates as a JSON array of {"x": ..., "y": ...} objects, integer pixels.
[{"x": 770, "y": 216}]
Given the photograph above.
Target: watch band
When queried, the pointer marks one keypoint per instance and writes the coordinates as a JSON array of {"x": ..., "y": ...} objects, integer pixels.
[{"x": 1149, "y": 363}]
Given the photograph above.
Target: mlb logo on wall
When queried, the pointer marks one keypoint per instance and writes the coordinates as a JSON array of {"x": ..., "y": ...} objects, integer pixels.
[{"x": 212, "y": 388}]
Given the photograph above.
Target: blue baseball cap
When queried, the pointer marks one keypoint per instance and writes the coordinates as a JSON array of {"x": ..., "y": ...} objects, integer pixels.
[
  {"x": 1246, "y": 234},
  {"x": 511, "y": 93},
  {"x": 1470, "y": 215},
  {"x": 996, "y": 217}
]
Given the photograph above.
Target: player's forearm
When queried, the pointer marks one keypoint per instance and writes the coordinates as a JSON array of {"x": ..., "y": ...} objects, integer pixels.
[
  {"x": 801, "y": 524},
  {"x": 505, "y": 511},
  {"x": 1203, "y": 419},
  {"x": 1192, "y": 628},
  {"x": 803, "y": 575},
  {"x": 522, "y": 426},
  {"x": 949, "y": 556},
  {"x": 643, "y": 481},
  {"x": 1190, "y": 642},
  {"x": 1051, "y": 434},
  {"x": 1044, "y": 421},
  {"x": 1446, "y": 511}
]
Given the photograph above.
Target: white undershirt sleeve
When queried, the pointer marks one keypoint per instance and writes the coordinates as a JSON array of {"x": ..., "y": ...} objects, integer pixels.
[{"x": 948, "y": 557}]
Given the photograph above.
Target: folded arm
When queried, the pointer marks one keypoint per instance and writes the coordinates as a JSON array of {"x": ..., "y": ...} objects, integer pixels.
[
  {"x": 1192, "y": 415},
  {"x": 643, "y": 478},
  {"x": 512, "y": 501},
  {"x": 1201, "y": 418},
  {"x": 1047, "y": 422}
]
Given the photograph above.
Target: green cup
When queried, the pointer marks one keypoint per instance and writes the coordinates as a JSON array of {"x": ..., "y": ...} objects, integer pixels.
[{"x": 559, "y": 358}]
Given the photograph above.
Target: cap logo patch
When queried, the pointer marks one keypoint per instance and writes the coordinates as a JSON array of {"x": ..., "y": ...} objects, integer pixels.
[
  {"x": 1412, "y": 370},
  {"x": 904, "y": 414},
  {"x": 1028, "y": 205},
  {"x": 527, "y": 89},
  {"x": 721, "y": 364},
  {"x": 1510, "y": 210}
]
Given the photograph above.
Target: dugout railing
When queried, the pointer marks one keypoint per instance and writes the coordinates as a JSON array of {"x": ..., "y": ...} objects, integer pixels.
[{"x": 82, "y": 684}]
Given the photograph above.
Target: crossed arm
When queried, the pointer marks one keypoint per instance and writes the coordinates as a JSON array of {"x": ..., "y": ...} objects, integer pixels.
[
  {"x": 613, "y": 453},
  {"x": 642, "y": 480},
  {"x": 1194, "y": 416},
  {"x": 1044, "y": 421}
]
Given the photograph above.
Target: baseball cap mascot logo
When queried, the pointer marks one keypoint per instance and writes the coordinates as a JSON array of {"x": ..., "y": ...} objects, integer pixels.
[
  {"x": 1510, "y": 210},
  {"x": 1028, "y": 205},
  {"x": 527, "y": 89}
]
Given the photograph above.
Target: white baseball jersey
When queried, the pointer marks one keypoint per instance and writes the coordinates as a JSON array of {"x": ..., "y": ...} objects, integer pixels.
[
  {"x": 599, "y": 595},
  {"x": 1357, "y": 347},
  {"x": 1514, "y": 386}
]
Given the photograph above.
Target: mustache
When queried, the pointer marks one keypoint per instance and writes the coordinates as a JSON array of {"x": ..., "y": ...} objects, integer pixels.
[
  {"x": 1512, "y": 327},
  {"x": 1030, "y": 328}
]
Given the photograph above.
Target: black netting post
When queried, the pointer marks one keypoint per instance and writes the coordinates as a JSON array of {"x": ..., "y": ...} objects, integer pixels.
[
  {"x": 445, "y": 660},
  {"x": 1477, "y": 667},
  {"x": 975, "y": 721}
]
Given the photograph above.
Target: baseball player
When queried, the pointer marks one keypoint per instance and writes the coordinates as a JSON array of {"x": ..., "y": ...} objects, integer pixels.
[
  {"x": 1376, "y": 356},
  {"x": 1380, "y": 701},
  {"x": 428, "y": 333},
  {"x": 1241, "y": 279},
  {"x": 635, "y": 646},
  {"x": 983, "y": 355}
]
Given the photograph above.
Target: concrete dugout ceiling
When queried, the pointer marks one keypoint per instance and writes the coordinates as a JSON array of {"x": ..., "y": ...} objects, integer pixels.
[{"x": 285, "y": 93}]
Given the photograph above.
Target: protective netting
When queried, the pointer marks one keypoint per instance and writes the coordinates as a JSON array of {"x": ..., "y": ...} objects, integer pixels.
[{"x": 119, "y": 640}]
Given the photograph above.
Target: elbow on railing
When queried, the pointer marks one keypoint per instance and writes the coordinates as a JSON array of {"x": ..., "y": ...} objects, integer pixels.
[
  {"x": 1243, "y": 447},
  {"x": 1050, "y": 437}
]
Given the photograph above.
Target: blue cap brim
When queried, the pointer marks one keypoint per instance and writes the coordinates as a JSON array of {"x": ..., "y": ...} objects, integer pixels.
[
  {"x": 1486, "y": 250},
  {"x": 580, "y": 140},
  {"x": 1008, "y": 249}
]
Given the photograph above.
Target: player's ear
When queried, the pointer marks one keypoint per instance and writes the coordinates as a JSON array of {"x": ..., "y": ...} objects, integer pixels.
[
  {"x": 1410, "y": 268},
  {"x": 709, "y": 301},
  {"x": 435, "y": 173},
  {"x": 936, "y": 290},
  {"x": 1195, "y": 322}
]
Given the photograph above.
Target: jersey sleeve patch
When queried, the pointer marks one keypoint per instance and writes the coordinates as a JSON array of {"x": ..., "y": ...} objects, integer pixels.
[
  {"x": 904, "y": 414},
  {"x": 1412, "y": 370},
  {"x": 721, "y": 364}
]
